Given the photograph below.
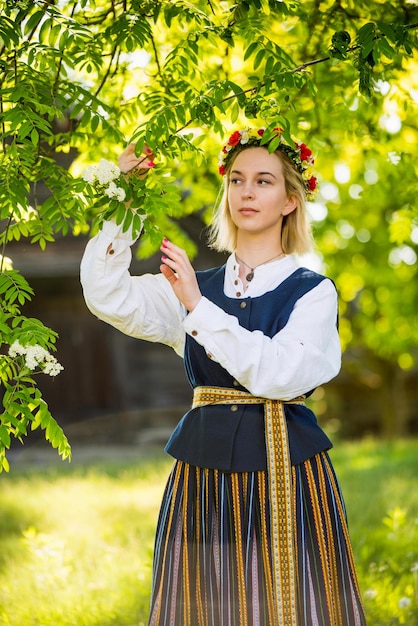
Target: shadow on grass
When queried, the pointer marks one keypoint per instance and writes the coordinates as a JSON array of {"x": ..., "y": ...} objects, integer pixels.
[{"x": 15, "y": 518}]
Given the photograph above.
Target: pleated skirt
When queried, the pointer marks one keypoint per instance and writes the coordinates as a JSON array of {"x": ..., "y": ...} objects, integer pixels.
[{"x": 212, "y": 559}]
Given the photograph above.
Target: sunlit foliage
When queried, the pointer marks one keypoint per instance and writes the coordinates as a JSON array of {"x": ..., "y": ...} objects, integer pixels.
[{"x": 84, "y": 77}]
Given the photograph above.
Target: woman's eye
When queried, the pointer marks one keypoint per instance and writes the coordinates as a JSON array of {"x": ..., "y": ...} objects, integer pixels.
[
  {"x": 235, "y": 181},
  {"x": 262, "y": 181}
]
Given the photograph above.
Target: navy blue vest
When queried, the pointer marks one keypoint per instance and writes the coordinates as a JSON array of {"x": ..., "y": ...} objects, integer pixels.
[{"x": 233, "y": 440}]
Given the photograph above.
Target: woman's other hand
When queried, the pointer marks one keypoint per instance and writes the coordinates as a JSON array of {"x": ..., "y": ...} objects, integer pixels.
[{"x": 179, "y": 272}]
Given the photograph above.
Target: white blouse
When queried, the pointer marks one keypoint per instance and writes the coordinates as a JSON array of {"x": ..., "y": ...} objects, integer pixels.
[{"x": 304, "y": 354}]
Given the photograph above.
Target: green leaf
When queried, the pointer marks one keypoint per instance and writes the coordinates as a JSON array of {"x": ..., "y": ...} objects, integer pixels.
[
  {"x": 34, "y": 137},
  {"x": 53, "y": 34},
  {"x": 366, "y": 33},
  {"x": 5, "y": 436},
  {"x": 258, "y": 58},
  {"x": 95, "y": 123},
  {"x": 46, "y": 25},
  {"x": 387, "y": 30},
  {"x": 4, "y": 462},
  {"x": 385, "y": 48},
  {"x": 127, "y": 221},
  {"x": 367, "y": 47},
  {"x": 8, "y": 32},
  {"x": 250, "y": 50},
  {"x": 33, "y": 21}
]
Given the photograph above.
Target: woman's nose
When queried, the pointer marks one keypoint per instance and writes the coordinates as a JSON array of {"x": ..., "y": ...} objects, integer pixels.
[{"x": 247, "y": 192}]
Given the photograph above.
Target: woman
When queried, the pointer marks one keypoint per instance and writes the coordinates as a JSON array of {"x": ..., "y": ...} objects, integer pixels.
[{"x": 252, "y": 526}]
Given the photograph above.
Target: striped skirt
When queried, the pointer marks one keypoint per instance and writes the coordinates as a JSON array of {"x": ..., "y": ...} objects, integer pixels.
[{"x": 212, "y": 560}]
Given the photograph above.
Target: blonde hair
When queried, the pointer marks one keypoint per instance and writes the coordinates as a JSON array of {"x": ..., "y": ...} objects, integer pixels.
[{"x": 296, "y": 235}]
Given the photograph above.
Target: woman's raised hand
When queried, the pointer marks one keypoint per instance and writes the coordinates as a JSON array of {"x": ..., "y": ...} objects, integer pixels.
[
  {"x": 129, "y": 162},
  {"x": 179, "y": 272}
]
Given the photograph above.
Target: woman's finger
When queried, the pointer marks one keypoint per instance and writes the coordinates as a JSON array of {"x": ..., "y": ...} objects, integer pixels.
[
  {"x": 130, "y": 163},
  {"x": 176, "y": 258}
]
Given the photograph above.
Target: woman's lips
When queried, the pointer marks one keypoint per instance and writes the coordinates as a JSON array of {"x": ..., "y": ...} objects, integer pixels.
[{"x": 248, "y": 211}]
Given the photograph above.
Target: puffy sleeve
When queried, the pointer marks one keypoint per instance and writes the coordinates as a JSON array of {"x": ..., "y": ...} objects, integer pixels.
[
  {"x": 140, "y": 306},
  {"x": 304, "y": 354}
]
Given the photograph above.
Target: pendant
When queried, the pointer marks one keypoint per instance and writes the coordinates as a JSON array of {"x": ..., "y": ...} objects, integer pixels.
[{"x": 249, "y": 276}]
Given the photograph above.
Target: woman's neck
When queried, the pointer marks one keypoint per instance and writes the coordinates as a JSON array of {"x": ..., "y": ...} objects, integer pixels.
[
  {"x": 254, "y": 253},
  {"x": 251, "y": 253}
]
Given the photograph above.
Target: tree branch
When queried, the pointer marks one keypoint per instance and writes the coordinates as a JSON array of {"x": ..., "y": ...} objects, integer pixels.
[
  {"x": 157, "y": 60},
  {"x": 302, "y": 67},
  {"x": 107, "y": 72},
  {"x": 295, "y": 70}
]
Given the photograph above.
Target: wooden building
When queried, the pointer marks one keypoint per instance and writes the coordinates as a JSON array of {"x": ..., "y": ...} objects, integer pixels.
[{"x": 118, "y": 389}]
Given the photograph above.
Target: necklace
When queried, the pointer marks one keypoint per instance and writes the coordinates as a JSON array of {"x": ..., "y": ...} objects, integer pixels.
[{"x": 250, "y": 274}]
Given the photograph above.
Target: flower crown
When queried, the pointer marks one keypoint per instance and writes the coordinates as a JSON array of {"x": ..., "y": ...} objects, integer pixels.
[{"x": 299, "y": 154}]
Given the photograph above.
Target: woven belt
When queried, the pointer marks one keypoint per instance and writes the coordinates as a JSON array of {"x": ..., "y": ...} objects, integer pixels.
[{"x": 280, "y": 491}]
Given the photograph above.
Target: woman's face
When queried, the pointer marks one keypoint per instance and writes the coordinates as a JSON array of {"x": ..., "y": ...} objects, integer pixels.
[{"x": 257, "y": 197}]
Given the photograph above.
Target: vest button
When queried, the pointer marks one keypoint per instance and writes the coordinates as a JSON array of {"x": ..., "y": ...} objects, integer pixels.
[
  {"x": 234, "y": 408},
  {"x": 236, "y": 383},
  {"x": 243, "y": 305}
]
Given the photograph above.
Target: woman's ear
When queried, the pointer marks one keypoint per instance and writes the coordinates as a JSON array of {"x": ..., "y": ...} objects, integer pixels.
[{"x": 290, "y": 205}]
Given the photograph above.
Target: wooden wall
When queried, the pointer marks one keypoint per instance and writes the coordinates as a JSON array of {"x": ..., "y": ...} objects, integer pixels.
[{"x": 114, "y": 385}]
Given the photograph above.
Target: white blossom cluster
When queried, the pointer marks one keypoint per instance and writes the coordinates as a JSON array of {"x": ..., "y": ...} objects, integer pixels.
[
  {"x": 394, "y": 158},
  {"x": 36, "y": 356},
  {"x": 102, "y": 177}
]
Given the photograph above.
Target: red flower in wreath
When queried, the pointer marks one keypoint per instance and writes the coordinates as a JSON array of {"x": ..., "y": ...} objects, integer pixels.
[
  {"x": 234, "y": 139},
  {"x": 312, "y": 183},
  {"x": 305, "y": 152}
]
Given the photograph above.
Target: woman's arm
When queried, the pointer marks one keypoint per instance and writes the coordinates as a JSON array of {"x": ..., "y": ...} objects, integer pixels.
[
  {"x": 141, "y": 306},
  {"x": 305, "y": 354}
]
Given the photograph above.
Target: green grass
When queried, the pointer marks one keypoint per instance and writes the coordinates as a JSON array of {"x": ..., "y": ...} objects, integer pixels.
[
  {"x": 76, "y": 541},
  {"x": 379, "y": 482}
]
